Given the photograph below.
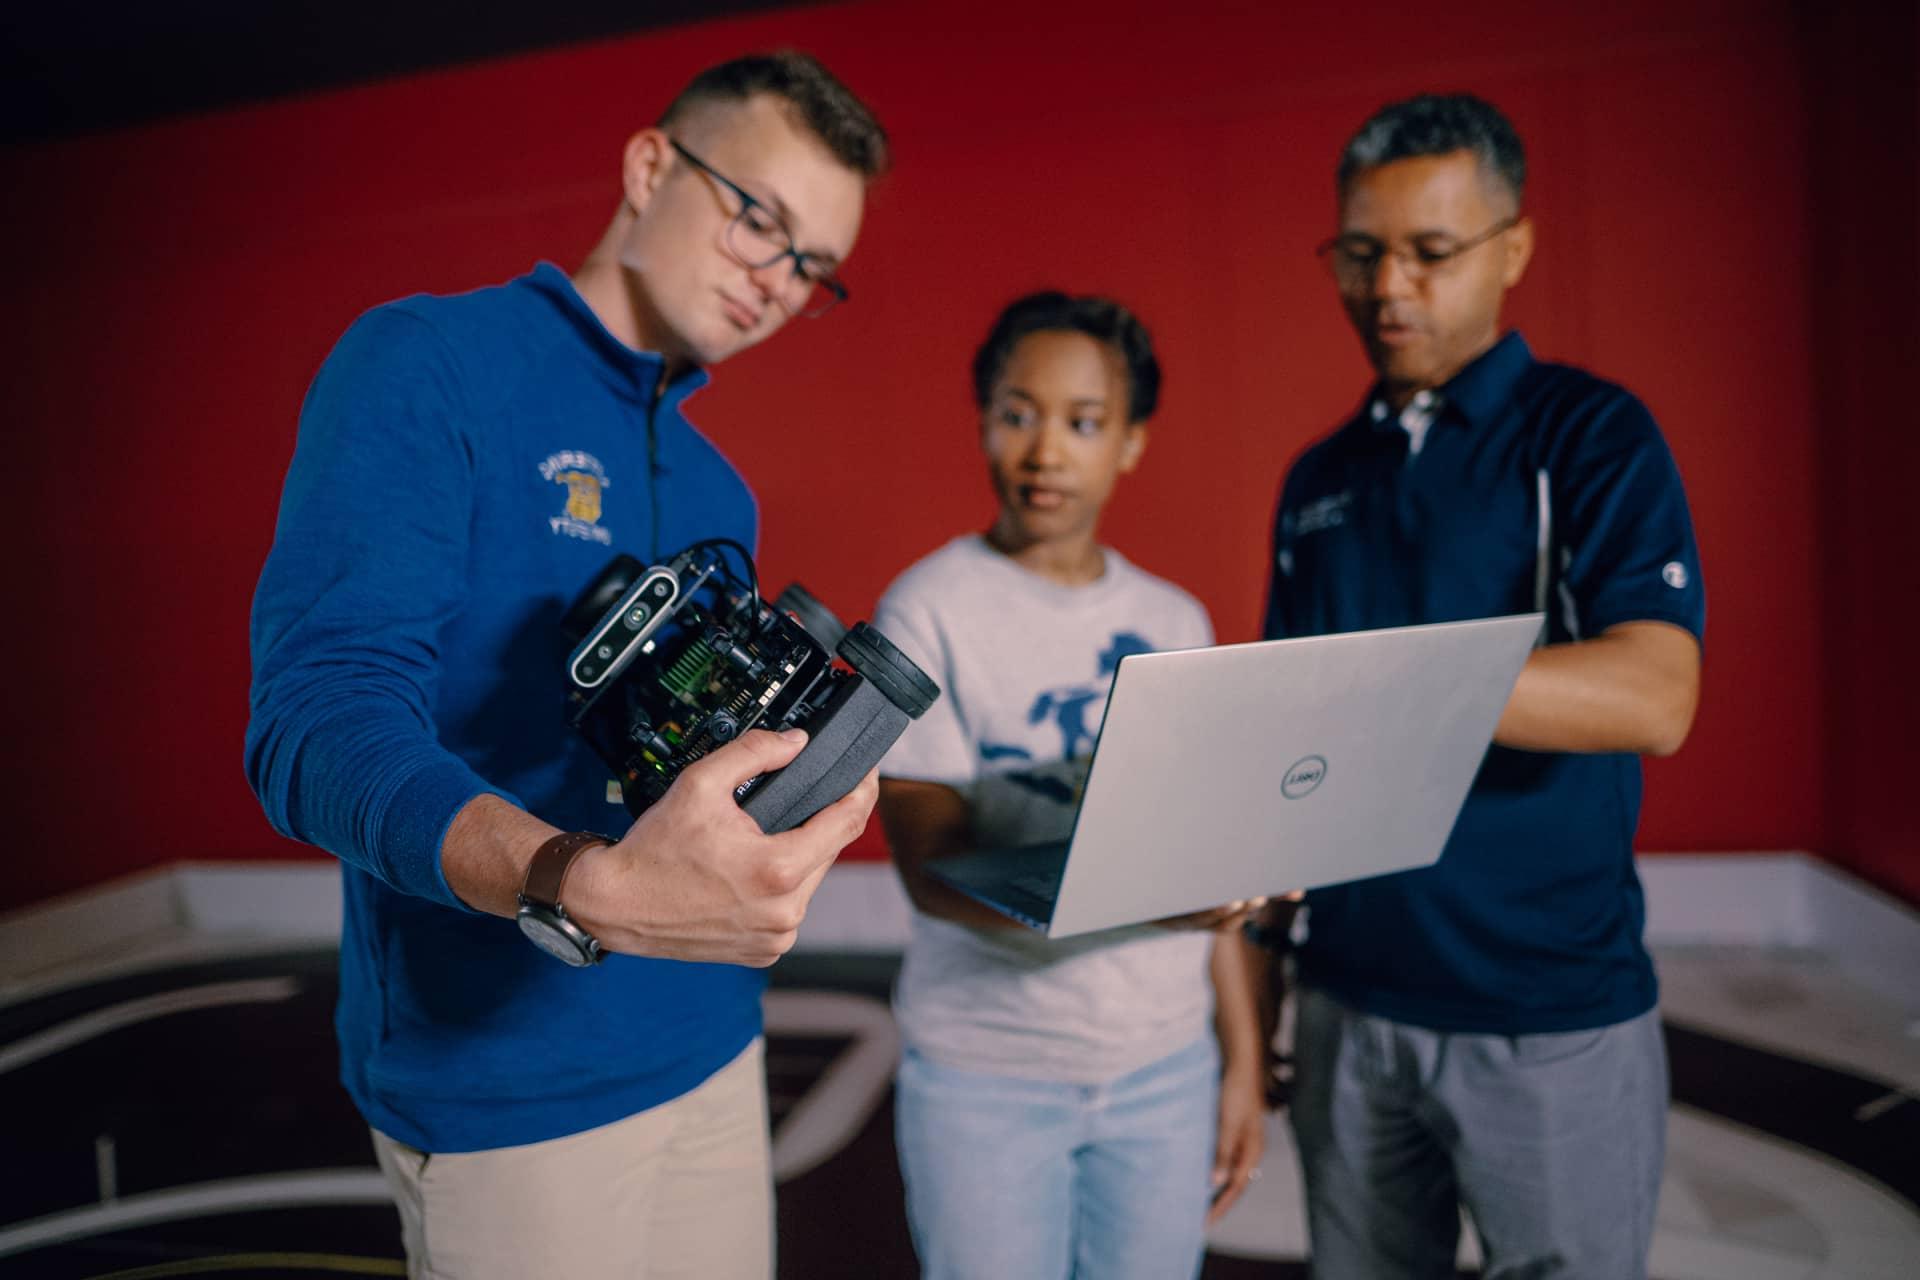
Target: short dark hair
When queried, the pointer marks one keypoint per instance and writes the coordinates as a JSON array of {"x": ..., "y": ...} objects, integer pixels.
[
  {"x": 1437, "y": 125},
  {"x": 1102, "y": 319},
  {"x": 816, "y": 98}
]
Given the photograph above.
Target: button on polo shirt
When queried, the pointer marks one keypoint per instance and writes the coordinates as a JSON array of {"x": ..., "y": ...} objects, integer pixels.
[
  {"x": 1414, "y": 419},
  {"x": 1519, "y": 485}
]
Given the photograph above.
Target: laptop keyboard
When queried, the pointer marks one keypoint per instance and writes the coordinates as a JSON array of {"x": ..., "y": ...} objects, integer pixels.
[{"x": 1044, "y": 885}]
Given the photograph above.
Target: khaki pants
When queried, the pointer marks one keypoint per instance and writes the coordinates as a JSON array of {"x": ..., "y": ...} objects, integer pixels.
[{"x": 682, "y": 1190}]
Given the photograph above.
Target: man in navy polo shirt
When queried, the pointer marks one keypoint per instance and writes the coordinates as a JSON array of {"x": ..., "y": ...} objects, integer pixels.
[{"x": 1482, "y": 1032}]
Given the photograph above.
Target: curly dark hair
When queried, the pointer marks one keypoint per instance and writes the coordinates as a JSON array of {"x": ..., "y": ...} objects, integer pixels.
[
  {"x": 1102, "y": 319},
  {"x": 826, "y": 107},
  {"x": 1437, "y": 125}
]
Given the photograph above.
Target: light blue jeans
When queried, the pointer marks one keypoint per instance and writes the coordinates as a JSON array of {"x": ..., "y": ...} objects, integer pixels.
[{"x": 1034, "y": 1180}]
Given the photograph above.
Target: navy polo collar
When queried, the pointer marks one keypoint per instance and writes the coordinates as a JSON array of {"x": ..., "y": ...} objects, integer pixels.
[
  {"x": 630, "y": 371},
  {"x": 1479, "y": 391},
  {"x": 1476, "y": 393}
]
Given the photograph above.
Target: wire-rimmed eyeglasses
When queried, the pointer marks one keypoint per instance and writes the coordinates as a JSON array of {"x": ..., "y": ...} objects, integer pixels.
[{"x": 1355, "y": 259}]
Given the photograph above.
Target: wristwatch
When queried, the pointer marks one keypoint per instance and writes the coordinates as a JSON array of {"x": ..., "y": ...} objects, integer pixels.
[{"x": 542, "y": 918}]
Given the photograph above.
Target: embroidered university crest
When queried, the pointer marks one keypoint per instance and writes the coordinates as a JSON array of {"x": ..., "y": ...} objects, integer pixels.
[{"x": 584, "y": 480}]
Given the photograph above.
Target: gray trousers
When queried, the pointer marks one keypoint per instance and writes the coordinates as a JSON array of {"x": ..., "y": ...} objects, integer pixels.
[{"x": 1554, "y": 1143}]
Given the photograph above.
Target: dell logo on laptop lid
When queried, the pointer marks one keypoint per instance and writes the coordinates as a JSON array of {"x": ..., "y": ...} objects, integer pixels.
[{"x": 1303, "y": 776}]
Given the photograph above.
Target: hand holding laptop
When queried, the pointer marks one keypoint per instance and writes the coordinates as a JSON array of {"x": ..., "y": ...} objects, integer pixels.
[{"x": 1228, "y": 915}]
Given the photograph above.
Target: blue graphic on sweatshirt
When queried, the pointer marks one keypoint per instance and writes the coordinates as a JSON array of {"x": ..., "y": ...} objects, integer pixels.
[
  {"x": 1070, "y": 709},
  {"x": 1125, "y": 644}
]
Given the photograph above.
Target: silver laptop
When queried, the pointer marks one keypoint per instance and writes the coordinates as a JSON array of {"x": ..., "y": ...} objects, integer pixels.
[{"x": 1253, "y": 769}]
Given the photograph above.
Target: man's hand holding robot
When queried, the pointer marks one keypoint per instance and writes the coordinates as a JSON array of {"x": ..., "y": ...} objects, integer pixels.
[{"x": 746, "y": 754}]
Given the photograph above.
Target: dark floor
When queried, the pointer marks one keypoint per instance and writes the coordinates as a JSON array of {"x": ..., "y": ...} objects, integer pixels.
[{"x": 251, "y": 1089}]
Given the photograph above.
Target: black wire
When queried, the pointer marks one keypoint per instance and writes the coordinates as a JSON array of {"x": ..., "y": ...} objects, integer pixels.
[
  {"x": 653, "y": 490},
  {"x": 746, "y": 560}
]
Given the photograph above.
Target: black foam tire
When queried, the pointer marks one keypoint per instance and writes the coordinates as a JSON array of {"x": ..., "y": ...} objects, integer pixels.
[
  {"x": 891, "y": 671},
  {"x": 818, "y": 620}
]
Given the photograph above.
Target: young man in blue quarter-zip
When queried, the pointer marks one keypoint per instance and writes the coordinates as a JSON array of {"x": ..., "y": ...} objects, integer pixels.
[{"x": 465, "y": 466}]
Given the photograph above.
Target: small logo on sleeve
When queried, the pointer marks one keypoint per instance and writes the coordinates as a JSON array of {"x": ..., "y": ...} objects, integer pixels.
[
  {"x": 584, "y": 480},
  {"x": 1329, "y": 512},
  {"x": 1674, "y": 574},
  {"x": 1302, "y": 776}
]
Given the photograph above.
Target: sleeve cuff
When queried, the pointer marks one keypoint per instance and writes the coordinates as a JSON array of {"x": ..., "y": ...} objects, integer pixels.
[
  {"x": 421, "y": 810},
  {"x": 1689, "y": 623}
]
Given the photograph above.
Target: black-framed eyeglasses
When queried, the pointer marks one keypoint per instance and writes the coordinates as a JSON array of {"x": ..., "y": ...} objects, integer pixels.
[
  {"x": 1355, "y": 259},
  {"x": 757, "y": 238}
]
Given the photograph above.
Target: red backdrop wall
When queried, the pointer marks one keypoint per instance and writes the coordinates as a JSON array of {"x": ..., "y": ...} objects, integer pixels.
[{"x": 174, "y": 287}]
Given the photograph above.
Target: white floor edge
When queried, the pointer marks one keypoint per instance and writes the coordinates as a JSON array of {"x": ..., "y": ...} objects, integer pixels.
[{"x": 1786, "y": 899}]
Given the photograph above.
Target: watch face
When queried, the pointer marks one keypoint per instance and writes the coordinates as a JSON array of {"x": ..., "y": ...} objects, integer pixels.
[{"x": 553, "y": 940}]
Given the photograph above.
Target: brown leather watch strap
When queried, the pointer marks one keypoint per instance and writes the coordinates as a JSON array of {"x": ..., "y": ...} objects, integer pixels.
[{"x": 548, "y": 870}]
